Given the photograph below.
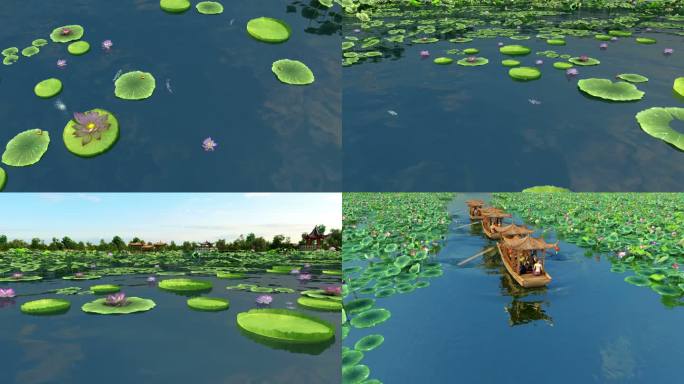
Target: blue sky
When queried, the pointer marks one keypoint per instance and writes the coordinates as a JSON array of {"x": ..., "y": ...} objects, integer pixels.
[{"x": 165, "y": 216}]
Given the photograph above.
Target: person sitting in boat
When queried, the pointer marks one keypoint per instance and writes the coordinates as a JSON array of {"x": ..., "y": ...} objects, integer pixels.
[
  {"x": 523, "y": 267},
  {"x": 538, "y": 267}
]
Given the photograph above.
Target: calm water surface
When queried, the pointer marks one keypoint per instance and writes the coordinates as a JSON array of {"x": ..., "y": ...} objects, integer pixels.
[
  {"x": 168, "y": 344},
  {"x": 475, "y": 325},
  {"x": 474, "y": 128},
  {"x": 271, "y": 136}
]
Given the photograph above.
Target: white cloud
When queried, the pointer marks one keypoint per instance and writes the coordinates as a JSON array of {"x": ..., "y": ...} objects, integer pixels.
[{"x": 258, "y": 194}]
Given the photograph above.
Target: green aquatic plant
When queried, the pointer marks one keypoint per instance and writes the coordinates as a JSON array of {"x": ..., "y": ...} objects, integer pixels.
[
  {"x": 356, "y": 374},
  {"x": 351, "y": 357},
  {"x": 129, "y": 305},
  {"x": 285, "y": 326},
  {"x": 472, "y": 61},
  {"x": 9, "y": 60},
  {"x": 78, "y": 48},
  {"x": 471, "y": 51},
  {"x": 369, "y": 343},
  {"x": 656, "y": 122},
  {"x": 91, "y": 133},
  {"x": 46, "y": 307},
  {"x": 211, "y": 304},
  {"x": 584, "y": 61},
  {"x": 359, "y": 305},
  {"x": 269, "y": 30},
  {"x": 514, "y": 50},
  {"x": 510, "y": 63},
  {"x": 524, "y": 73},
  {"x": 66, "y": 33},
  {"x": 607, "y": 90},
  {"x": 11, "y": 51},
  {"x": 370, "y": 318},
  {"x": 678, "y": 86},
  {"x": 292, "y": 72},
  {"x": 82, "y": 276},
  {"x": 645, "y": 40},
  {"x": 229, "y": 275},
  {"x": 209, "y": 7},
  {"x": 319, "y": 304},
  {"x": 26, "y": 148},
  {"x": 134, "y": 85},
  {"x": 29, "y": 51},
  {"x": 443, "y": 60},
  {"x": 39, "y": 42},
  {"x": 174, "y": 6},
  {"x": 618, "y": 33},
  {"x": 104, "y": 289},
  {"x": 3, "y": 179},
  {"x": 632, "y": 77},
  {"x": 562, "y": 65},
  {"x": 20, "y": 278},
  {"x": 184, "y": 285},
  {"x": 555, "y": 42},
  {"x": 48, "y": 88}
]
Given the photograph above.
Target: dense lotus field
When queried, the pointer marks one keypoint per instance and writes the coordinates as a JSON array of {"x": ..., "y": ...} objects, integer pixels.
[
  {"x": 378, "y": 30},
  {"x": 643, "y": 232},
  {"x": 388, "y": 240}
]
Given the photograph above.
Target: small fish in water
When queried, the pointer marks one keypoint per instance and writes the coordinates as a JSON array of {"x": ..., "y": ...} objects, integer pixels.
[
  {"x": 232, "y": 21},
  {"x": 61, "y": 63},
  {"x": 60, "y": 105},
  {"x": 209, "y": 145},
  {"x": 168, "y": 85},
  {"x": 534, "y": 102},
  {"x": 393, "y": 113},
  {"x": 117, "y": 75}
]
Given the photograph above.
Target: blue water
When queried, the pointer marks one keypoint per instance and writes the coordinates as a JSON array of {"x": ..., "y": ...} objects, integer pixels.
[
  {"x": 474, "y": 129},
  {"x": 271, "y": 136},
  {"x": 169, "y": 344},
  {"x": 587, "y": 326}
]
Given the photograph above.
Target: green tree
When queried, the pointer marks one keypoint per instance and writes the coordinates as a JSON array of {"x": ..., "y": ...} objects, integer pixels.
[
  {"x": 334, "y": 239},
  {"x": 278, "y": 242},
  {"x": 55, "y": 245},
  {"x": 37, "y": 243},
  {"x": 68, "y": 243},
  {"x": 118, "y": 243},
  {"x": 187, "y": 246},
  {"x": 3, "y": 242}
]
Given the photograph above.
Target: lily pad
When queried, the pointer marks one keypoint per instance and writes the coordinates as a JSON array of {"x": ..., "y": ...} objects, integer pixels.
[
  {"x": 268, "y": 30},
  {"x": 46, "y": 307},
  {"x": 48, "y": 88},
  {"x": 356, "y": 374},
  {"x": 471, "y": 51},
  {"x": 9, "y": 60},
  {"x": 23, "y": 278},
  {"x": 184, "y": 285},
  {"x": 84, "y": 277},
  {"x": 10, "y": 51},
  {"x": 95, "y": 147},
  {"x": 135, "y": 304},
  {"x": 320, "y": 304},
  {"x": 39, "y": 42},
  {"x": 3, "y": 179},
  {"x": 292, "y": 72},
  {"x": 286, "y": 325},
  {"x": 678, "y": 86},
  {"x": 105, "y": 288},
  {"x": 607, "y": 90},
  {"x": 632, "y": 77},
  {"x": 618, "y": 33},
  {"x": 174, "y": 6},
  {"x": 135, "y": 85},
  {"x": 602, "y": 37},
  {"x": 443, "y": 60},
  {"x": 476, "y": 62},
  {"x": 26, "y": 148},
  {"x": 555, "y": 42},
  {"x": 229, "y": 275},
  {"x": 510, "y": 63},
  {"x": 358, "y": 305},
  {"x": 261, "y": 289},
  {"x": 208, "y": 304},
  {"x": 656, "y": 122},
  {"x": 524, "y": 73},
  {"x": 369, "y": 343},
  {"x": 370, "y": 318},
  {"x": 351, "y": 357},
  {"x": 588, "y": 62},
  {"x": 666, "y": 290},
  {"x": 58, "y": 34},
  {"x": 514, "y": 50},
  {"x": 78, "y": 48},
  {"x": 332, "y": 272},
  {"x": 645, "y": 40},
  {"x": 30, "y": 51},
  {"x": 209, "y": 7},
  {"x": 562, "y": 65},
  {"x": 638, "y": 280}
]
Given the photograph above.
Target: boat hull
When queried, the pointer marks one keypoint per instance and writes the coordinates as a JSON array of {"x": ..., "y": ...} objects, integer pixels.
[
  {"x": 527, "y": 280},
  {"x": 490, "y": 234}
]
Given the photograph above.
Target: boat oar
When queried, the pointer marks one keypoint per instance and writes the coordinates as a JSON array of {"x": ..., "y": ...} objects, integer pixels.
[
  {"x": 471, "y": 258},
  {"x": 465, "y": 225}
]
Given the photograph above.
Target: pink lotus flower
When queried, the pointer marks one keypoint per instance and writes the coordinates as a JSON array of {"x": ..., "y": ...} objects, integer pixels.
[
  {"x": 571, "y": 72},
  {"x": 603, "y": 46},
  {"x": 471, "y": 59},
  {"x": 79, "y": 275},
  {"x": 621, "y": 254},
  {"x": 209, "y": 145},
  {"x": 668, "y": 51},
  {"x": 116, "y": 300},
  {"x": 264, "y": 300},
  {"x": 304, "y": 277},
  {"x": 584, "y": 58},
  {"x": 675, "y": 265},
  {"x": 7, "y": 293},
  {"x": 107, "y": 45},
  {"x": 424, "y": 54},
  {"x": 17, "y": 275},
  {"x": 61, "y": 63},
  {"x": 333, "y": 290},
  {"x": 65, "y": 31}
]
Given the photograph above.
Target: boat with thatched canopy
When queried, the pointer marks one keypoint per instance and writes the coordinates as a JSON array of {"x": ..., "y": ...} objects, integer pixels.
[
  {"x": 513, "y": 230},
  {"x": 474, "y": 208},
  {"x": 492, "y": 217},
  {"x": 517, "y": 254}
]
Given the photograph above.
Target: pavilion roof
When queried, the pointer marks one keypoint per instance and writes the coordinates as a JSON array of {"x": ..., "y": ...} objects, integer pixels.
[
  {"x": 513, "y": 230},
  {"x": 527, "y": 243}
]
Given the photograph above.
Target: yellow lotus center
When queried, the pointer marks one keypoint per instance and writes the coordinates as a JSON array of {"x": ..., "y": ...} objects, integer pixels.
[{"x": 90, "y": 126}]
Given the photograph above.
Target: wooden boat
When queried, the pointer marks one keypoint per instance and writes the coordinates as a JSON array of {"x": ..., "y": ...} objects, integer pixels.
[
  {"x": 511, "y": 249},
  {"x": 492, "y": 217},
  {"x": 513, "y": 230},
  {"x": 474, "y": 208}
]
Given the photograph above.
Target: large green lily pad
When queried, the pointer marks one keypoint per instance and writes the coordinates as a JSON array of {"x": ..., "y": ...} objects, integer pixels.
[
  {"x": 26, "y": 148},
  {"x": 211, "y": 304},
  {"x": 607, "y": 90},
  {"x": 75, "y": 33},
  {"x": 134, "y": 85},
  {"x": 477, "y": 62},
  {"x": 656, "y": 122},
  {"x": 78, "y": 48},
  {"x": 104, "y": 289},
  {"x": 356, "y": 374},
  {"x": 632, "y": 77},
  {"x": 135, "y": 304},
  {"x": 174, "y": 6},
  {"x": 209, "y": 7},
  {"x": 96, "y": 146},
  {"x": 48, "y": 88},
  {"x": 562, "y": 65},
  {"x": 184, "y": 285},
  {"x": 292, "y": 72},
  {"x": 23, "y": 278},
  {"x": 370, "y": 318},
  {"x": 514, "y": 50},
  {"x": 524, "y": 73},
  {"x": 268, "y": 30},
  {"x": 320, "y": 304},
  {"x": 286, "y": 325},
  {"x": 46, "y": 307}
]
